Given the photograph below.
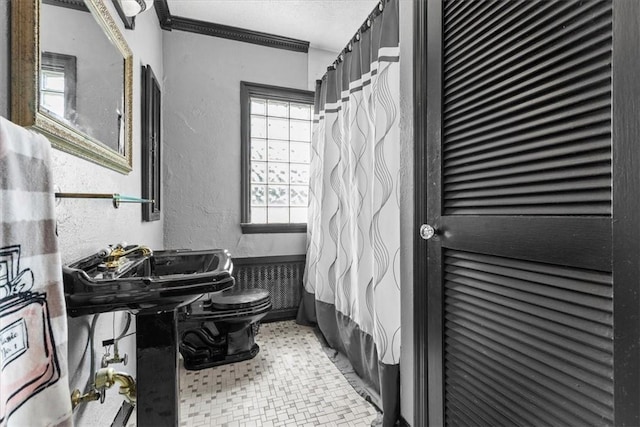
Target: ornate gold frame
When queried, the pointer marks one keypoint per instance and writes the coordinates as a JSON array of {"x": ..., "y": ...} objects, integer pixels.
[{"x": 25, "y": 66}]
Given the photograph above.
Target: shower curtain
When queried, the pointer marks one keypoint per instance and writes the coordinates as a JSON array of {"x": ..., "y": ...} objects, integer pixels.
[{"x": 352, "y": 277}]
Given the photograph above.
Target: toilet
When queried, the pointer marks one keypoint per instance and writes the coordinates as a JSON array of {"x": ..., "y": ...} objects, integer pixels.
[{"x": 221, "y": 329}]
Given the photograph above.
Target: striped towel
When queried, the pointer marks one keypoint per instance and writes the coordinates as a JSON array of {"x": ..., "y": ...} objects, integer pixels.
[{"x": 34, "y": 387}]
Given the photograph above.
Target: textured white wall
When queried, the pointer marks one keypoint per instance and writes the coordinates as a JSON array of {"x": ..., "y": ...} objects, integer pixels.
[
  {"x": 86, "y": 225},
  {"x": 202, "y": 140},
  {"x": 319, "y": 60},
  {"x": 406, "y": 202}
]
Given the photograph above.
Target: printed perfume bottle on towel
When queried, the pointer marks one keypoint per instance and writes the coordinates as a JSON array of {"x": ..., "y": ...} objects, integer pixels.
[{"x": 28, "y": 360}]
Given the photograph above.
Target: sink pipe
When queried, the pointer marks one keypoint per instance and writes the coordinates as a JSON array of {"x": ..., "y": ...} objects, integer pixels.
[{"x": 105, "y": 378}]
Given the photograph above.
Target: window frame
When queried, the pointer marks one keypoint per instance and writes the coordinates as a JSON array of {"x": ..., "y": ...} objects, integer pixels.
[{"x": 247, "y": 90}]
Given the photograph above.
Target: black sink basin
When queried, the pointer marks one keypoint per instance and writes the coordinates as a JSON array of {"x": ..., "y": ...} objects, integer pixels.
[{"x": 158, "y": 282}]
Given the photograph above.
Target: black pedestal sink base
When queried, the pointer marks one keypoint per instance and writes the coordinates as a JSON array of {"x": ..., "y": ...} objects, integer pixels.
[{"x": 158, "y": 401}]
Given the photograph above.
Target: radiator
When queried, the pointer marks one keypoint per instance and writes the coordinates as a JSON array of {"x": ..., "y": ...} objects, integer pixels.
[{"x": 280, "y": 275}]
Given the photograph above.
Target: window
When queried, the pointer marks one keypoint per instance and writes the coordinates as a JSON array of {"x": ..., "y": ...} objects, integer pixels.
[
  {"x": 58, "y": 84},
  {"x": 276, "y": 151}
]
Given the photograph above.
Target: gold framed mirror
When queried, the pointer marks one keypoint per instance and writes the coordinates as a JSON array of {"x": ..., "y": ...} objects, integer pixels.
[{"x": 87, "y": 112}]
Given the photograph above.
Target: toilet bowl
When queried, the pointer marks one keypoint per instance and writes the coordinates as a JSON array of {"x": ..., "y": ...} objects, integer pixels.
[{"x": 221, "y": 329}]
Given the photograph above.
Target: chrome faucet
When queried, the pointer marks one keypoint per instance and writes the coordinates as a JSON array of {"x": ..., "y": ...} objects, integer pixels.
[{"x": 117, "y": 254}]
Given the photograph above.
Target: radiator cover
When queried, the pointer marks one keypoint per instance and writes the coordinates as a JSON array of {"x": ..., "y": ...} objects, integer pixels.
[{"x": 280, "y": 275}]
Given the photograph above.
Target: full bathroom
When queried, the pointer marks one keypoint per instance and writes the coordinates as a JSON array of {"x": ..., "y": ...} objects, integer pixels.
[
  {"x": 319, "y": 212},
  {"x": 197, "y": 184}
]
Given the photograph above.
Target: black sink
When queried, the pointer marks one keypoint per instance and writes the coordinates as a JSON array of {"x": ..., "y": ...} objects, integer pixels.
[{"x": 161, "y": 281}]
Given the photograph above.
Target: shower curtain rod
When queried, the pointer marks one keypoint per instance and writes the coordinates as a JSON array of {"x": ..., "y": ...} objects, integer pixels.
[{"x": 364, "y": 27}]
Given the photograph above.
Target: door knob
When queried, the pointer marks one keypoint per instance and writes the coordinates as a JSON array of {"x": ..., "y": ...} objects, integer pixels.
[{"x": 427, "y": 231}]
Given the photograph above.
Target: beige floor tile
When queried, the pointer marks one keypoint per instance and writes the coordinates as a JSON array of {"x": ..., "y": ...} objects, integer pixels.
[{"x": 290, "y": 382}]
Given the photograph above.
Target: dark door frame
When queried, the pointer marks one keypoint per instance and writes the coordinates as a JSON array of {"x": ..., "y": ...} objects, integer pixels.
[
  {"x": 626, "y": 208},
  {"x": 626, "y": 212},
  {"x": 420, "y": 415}
]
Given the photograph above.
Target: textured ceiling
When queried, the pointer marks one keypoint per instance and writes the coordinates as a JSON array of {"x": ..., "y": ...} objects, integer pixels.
[{"x": 325, "y": 24}]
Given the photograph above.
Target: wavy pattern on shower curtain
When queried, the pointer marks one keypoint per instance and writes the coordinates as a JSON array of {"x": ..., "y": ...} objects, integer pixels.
[{"x": 351, "y": 277}]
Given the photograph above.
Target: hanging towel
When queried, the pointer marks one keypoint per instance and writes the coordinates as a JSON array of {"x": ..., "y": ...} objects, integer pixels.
[{"x": 34, "y": 387}]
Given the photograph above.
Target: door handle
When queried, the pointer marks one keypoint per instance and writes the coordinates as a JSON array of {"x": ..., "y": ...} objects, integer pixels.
[{"x": 427, "y": 231}]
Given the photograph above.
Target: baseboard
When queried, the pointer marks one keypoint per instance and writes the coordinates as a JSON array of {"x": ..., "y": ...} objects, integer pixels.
[{"x": 280, "y": 315}]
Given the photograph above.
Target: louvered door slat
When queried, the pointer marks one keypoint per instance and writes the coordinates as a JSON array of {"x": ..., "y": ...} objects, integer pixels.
[
  {"x": 527, "y": 46},
  {"x": 574, "y": 95},
  {"x": 457, "y": 12},
  {"x": 535, "y": 397},
  {"x": 554, "y": 133},
  {"x": 516, "y": 181},
  {"x": 555, "y": 147},
  {"x": 541, "y": 329},
  {"x": 458, "y": 173},
  {"x": 489, "y": 20},
  {"x": 528, "y": 330},
  {"x": 560, "y": 397},
  {"x": 530, "y": 189},
  {"x": 504, "y": 129},
  {"x": 488, "y": 396},
  {"x": 509, "y": 289},
  {"x": 535, "y": 274},
  {"x": 502, "y": 40},
  {"x": 590, "y": 373},
  {"x": 553, "y": 85},
  {"x": 527, "y": 99}
]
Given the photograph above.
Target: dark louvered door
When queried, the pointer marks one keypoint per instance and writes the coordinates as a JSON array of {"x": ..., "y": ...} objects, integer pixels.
[{"x": 520, "y": 190}]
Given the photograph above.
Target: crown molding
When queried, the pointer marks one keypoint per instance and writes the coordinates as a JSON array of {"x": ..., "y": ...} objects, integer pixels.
[
  {"x": 164, "y": 16},
  {"x": 170, "y": 22}
]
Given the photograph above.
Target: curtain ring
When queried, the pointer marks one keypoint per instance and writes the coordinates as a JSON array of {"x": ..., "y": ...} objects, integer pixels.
[
  {"x": 381, "y": 5},
  {"x": 358, "y": 36},
  {"x": 368, "y": 23},
  {"x": 350, "y": 47}
]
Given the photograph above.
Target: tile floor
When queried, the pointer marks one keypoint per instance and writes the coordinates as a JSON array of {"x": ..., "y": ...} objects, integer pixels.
[{"x": 291, "y": 382}]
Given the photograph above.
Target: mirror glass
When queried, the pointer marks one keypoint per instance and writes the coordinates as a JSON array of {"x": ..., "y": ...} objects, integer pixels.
[
  {"x": 72, "y": 77},
  {"x": 81, "y": 74}
]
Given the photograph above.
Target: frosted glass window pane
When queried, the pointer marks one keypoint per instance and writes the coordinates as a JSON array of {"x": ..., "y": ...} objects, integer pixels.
[
  {"x": 53, "y": 102},
  {"x": 299, "y": 174},
  {"x": 258, "y": 149},
  {"x": 258, "y": 127},
  {"x": 299, "y": 195},
  {"x": 53, "y": 80},
  {"x": 300, "y": 152},
  {"x": 278, "y": 173},
  {"x": 300, "y": 131},
  {"x": 278, "y": 215},
  {"x": 259, "y": 215},
  {"x": 278, "y": 108},
  {"x": 258, "y": 106},
  {"x": 258, "y": 172},
  {"x": 278, "y": 151},
  {"x": 258, "y": 195},
  {"x": 300, "y": 111},
  {"x": 299, "y": 215},
  {"x": 278, "y": 195},
  {"x": 278, "y": 128}
]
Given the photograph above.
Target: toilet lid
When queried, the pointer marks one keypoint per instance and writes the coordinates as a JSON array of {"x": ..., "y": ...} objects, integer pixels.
[{"x": 238, "y": 298}]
